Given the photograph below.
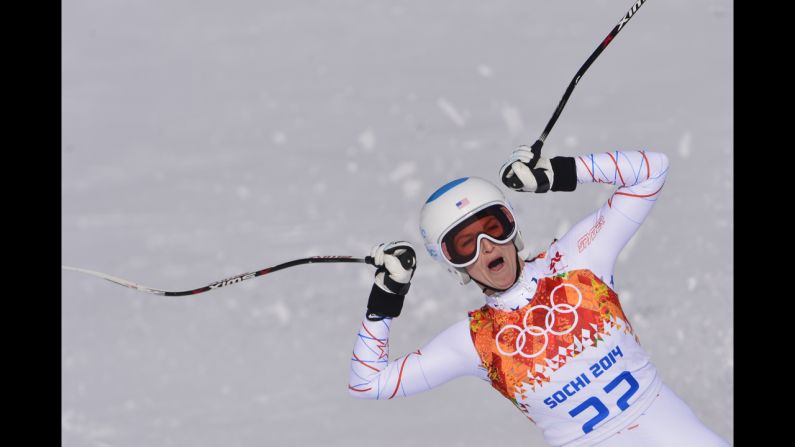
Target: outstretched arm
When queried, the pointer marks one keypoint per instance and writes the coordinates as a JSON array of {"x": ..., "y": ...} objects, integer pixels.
[{"x": 374, "y": 376}]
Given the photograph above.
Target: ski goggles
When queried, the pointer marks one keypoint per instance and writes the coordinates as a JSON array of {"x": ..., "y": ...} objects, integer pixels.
[{"x": 461, "y": 243}]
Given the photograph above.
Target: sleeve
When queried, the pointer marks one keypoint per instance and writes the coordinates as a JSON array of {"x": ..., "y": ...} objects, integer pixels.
[
  {"x": 596, "y": 241},
  {"x": 373, "y": 375}
]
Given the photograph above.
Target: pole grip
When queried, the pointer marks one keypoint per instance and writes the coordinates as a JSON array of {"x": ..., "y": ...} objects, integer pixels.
[{"x": 408, "y": 259}]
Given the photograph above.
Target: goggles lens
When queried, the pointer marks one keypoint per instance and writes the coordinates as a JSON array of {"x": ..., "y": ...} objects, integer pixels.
[{"x": 461, "y": 244}]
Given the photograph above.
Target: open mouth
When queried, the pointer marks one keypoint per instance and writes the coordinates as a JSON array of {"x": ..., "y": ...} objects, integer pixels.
[{"x": 497, "y": 264}]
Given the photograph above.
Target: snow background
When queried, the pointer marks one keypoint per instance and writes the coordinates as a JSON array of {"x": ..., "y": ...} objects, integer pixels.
[{"x": 207, "y": 138}]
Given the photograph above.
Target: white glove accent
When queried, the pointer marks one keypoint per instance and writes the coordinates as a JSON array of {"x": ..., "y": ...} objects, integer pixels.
[
  {"x": 518, "y": 165},
  {"x": 391, "y": 263}
]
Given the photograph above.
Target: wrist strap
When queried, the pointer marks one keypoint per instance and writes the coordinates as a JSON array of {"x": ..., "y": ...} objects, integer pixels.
[
  {"x": 564, "y": 176},
  {"x": 383, "y": 303}
]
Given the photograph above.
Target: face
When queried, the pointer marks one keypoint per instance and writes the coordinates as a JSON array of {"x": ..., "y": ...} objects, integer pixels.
[{"x": 496, "y": 265}]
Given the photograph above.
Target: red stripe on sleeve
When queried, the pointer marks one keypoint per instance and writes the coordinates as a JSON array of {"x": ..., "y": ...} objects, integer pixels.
[
  {"x": 623, "y": 183},
  {"x": 648, "y": 168},
  {"x": 365, "y": 364},
  {"x": 400, "y": 375},
  {"x": 587, "y": 168}
]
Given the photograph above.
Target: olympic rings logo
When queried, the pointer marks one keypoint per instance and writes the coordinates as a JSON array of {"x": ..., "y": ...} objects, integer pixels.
[{"x": 549, "y": 322}]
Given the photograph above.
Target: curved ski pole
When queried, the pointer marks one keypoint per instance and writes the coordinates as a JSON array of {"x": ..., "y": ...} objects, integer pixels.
[{"x": 224, "y": 282}]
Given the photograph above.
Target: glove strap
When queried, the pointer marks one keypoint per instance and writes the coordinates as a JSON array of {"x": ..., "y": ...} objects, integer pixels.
[
  {"x": 542, "y": 181},
  {"x": 394, "y": 286},
  {"x": 383, "y": 304}
]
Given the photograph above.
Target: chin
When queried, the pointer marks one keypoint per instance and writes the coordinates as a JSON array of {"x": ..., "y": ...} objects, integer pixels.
[{"x": 503, "y": 284}]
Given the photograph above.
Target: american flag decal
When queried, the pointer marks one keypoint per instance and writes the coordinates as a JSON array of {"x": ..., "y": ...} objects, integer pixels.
[{"x": 462, "y": 203}]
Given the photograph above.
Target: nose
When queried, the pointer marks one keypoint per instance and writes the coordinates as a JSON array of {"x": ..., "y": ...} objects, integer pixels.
[{"x": 486, "y": 245}]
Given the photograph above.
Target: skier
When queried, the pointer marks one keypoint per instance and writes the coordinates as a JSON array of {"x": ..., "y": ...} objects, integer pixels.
[{"x": 552, "y": 336}]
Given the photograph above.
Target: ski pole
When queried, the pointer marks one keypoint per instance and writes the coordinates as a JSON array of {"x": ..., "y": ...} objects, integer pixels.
[
  {"x": 407, "y": 259},
  {"x": 513, "y": 181}
]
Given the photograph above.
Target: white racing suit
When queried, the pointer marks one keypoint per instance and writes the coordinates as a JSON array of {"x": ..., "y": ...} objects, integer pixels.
[{"x": 557, "y": 343}]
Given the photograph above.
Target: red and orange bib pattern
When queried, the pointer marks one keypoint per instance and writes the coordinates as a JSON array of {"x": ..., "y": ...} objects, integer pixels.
[{"x": 569, "y": 312}]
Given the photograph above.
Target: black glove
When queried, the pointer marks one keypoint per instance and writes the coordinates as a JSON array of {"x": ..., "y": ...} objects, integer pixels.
[
  {"x": 395, "y": 262},
  {"x": 525, "y": 172}
]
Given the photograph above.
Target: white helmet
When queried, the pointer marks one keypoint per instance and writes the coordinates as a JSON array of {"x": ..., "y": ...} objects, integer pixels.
[{"x": 456, "y": 202}]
